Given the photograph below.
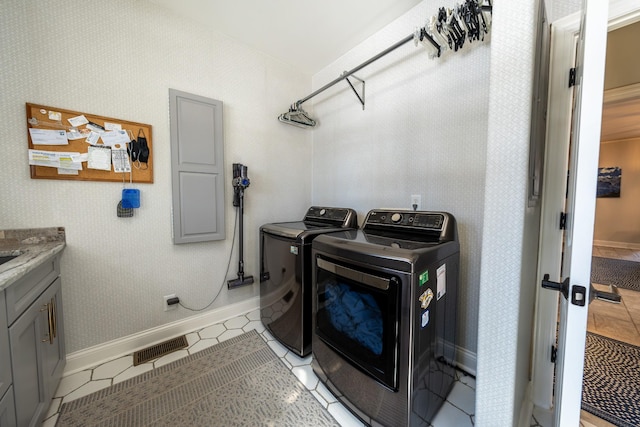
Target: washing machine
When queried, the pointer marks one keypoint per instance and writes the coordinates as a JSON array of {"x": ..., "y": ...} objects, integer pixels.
[
  {"x": 285, "y": 273},
  {"x": 384, "y": 315}
]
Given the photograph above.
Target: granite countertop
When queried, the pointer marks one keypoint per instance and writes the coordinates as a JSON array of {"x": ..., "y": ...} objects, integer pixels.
[{"x": 33, "y": 247}]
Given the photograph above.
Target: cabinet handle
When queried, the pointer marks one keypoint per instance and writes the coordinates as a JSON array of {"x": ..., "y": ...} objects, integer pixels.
[
  {"x": 47, "y": 308},
  {"x": 51, "y": 325},
  {"x": 54, "y": 316}
]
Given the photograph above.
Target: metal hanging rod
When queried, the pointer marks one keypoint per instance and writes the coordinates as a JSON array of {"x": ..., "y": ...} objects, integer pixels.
[
  {"x": 364, "y": 64},
  {"x": 454, "y": 37}
]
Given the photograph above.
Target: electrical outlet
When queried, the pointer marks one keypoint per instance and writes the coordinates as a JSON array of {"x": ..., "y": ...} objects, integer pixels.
[
  {"x": 416, "y": 202},
  {"x": 168, "y": 307}
]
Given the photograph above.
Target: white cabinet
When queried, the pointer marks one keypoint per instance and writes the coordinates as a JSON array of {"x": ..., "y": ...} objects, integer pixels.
[{"x": 36, "y": 340}]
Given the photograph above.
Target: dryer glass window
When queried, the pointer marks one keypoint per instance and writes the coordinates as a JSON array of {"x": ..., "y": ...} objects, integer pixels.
[{"x": 358, "y": 316}]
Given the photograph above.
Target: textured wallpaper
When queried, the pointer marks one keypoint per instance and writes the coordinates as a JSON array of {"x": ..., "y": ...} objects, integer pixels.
[
  {"x": 118, "y": 59},
  {"x": 507, "y": 294},
  {"x": 423, "y": 131}
]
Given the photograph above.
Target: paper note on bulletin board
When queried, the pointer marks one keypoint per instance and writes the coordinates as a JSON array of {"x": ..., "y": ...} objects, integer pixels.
[{"x": 63, "y": 144}]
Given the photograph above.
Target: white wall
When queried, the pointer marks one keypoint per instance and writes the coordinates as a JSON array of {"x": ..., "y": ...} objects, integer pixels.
[
  {"x": 617, "y": 218},
  {"x": 423, "y": 131},
  {"x": 509, "y": 249},
  {"x": 118, "y": 59}
]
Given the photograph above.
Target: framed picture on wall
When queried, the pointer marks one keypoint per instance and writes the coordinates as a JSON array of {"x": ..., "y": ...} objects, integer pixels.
[{"x": 609, "y": 182}]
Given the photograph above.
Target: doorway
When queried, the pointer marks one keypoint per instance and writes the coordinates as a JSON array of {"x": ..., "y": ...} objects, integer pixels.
[
  {"x": 617, "y": 218},
  {"x": 542, "y": 394},
  {"x": 614, "y": 327}
]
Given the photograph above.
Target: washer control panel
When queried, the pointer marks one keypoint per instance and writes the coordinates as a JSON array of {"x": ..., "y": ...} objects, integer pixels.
[
  {"x": 341, "y": 217},
  {"x": 416, "y": 222}
]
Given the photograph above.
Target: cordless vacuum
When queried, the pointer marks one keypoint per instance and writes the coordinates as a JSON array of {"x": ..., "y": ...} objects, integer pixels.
[{"x": 240, "y": 183}]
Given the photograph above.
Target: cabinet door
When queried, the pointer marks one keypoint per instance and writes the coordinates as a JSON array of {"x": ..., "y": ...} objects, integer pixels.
[
  {"x": 5, "y": 355},
  {"x": 27, "y": 336},
  {"x": 197, "y": 168},
  {"x": 7, "y": 411},
  {"x": 53, "y": 349}
]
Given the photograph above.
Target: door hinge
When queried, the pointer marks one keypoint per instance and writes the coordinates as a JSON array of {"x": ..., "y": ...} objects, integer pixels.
[
  {"x": 563, "y": 221},
  {"x": 572, "y": 77},
  {"x": 554, "y": 353}
]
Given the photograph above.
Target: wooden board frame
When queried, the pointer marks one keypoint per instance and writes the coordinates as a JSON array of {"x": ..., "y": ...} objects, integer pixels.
[{"x": 38, "y": 117}]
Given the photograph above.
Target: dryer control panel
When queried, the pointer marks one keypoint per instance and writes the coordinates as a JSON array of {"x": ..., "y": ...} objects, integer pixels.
[{"x": 441, "y": 224}]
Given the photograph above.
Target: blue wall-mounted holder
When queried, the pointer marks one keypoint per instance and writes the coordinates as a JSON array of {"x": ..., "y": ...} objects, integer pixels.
[{"x": 130, "y": 198}]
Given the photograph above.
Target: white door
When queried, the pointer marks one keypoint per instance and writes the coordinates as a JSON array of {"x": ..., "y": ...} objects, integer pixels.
[
  {"x": 580, "y": 210},
  {"x": 580, "y": 202}
]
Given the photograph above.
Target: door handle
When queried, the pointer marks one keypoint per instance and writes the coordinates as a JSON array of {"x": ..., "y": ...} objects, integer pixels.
[
  {"x": 613, "y": 297},
  {"x": 560, "y": 287}
]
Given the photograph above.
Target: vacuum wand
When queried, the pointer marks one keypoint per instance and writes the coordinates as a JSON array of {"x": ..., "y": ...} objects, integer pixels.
[{"x": 240, "y": 183}]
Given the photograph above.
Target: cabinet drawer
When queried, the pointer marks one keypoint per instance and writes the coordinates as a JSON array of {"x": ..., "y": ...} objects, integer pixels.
[
  {"x": 5, "y": 354},
  {"x": 26, "y": 290}
]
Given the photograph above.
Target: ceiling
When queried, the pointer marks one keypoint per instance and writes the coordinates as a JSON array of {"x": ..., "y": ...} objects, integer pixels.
[{"x": 308, "y": 35}]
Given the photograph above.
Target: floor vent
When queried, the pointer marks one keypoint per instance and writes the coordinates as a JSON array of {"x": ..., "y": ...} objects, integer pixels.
[{"x": 159, "y": 350}]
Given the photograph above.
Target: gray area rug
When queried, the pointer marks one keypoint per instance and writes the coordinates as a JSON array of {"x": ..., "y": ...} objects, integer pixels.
[
  {"x": 617, "y": 272},
  {"x": 611, "y": 383},
  {"x": 239, "y": 382}
]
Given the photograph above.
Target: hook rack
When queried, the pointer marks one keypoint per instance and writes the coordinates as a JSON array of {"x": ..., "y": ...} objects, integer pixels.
[{"x": 448, "y": 29}]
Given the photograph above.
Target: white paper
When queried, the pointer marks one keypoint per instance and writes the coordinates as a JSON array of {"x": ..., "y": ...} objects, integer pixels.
[
  {"x": 112, "y": 126},
  {"x": 93, "y": 138},
  {"x": 441, "y": 280},
  {"x": 120, "y": 160},
  {"x": 48, "y": 137},
  {"x": 93, "y": 128},
  {"x": 55, "y": 116},
  {"x": 55, "y": 159},
  {"x": 78, "y": 121},
  {"x": 99, "y": 158},
  {"x": 62, "y": 171},
  {"x": 115, "y": 137},
  {"x": 74, "y": 134}
]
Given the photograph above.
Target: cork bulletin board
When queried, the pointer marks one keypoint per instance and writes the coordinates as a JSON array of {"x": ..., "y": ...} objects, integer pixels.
[{"x": 74, "y": 145}]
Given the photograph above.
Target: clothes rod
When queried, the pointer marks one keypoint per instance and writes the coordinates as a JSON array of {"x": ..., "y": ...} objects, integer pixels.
[{"x": 367, "y": 62}]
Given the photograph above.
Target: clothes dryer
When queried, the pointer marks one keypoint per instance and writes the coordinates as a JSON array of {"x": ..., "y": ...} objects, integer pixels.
[
  {"x": 285, "y": 273},
  {"x": 384, "y": 315}
]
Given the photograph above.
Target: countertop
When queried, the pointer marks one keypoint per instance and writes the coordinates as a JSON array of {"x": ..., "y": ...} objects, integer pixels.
[{"x": 33, "y": 245}]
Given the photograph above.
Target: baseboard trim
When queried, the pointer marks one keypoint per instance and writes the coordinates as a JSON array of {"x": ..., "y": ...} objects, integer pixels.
[
  {"x": 96, "y": 355},
  {"x": 526, "y": 410},
  {"x": 466, "y": 360},
  {"x": 621, "y": 245}
]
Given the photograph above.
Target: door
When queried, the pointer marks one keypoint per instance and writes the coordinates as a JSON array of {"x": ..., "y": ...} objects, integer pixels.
[
  {"x": 581, "y": 196},
  {"x": 580, "y": 206}
]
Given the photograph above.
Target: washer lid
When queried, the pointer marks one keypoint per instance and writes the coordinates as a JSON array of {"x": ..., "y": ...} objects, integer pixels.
[{"x": 299, "y": 230}]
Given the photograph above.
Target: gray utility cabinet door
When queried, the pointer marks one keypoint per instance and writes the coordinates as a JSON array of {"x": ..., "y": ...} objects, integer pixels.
[
  {"x": 5, "y": 354},
  {"x": 197, "y": 168}
]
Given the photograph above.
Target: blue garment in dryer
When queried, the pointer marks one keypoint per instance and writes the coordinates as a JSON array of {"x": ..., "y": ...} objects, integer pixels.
[{"x": 356, "y": 315}]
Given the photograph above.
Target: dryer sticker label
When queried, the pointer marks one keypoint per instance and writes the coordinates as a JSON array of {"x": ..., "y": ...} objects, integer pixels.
[
  {"x": 425, "y": 319},
  {"x": 441, "y": 280},
  {"x": 293, "y": 250},
  {"x": 425, "y": 298},
  {"x": 423, "y": 278}
]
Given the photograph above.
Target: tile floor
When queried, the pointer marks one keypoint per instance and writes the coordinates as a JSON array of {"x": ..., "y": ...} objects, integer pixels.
[
  {"x": 617, "y": 321},
  {"x": 457, "y": 411}
]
